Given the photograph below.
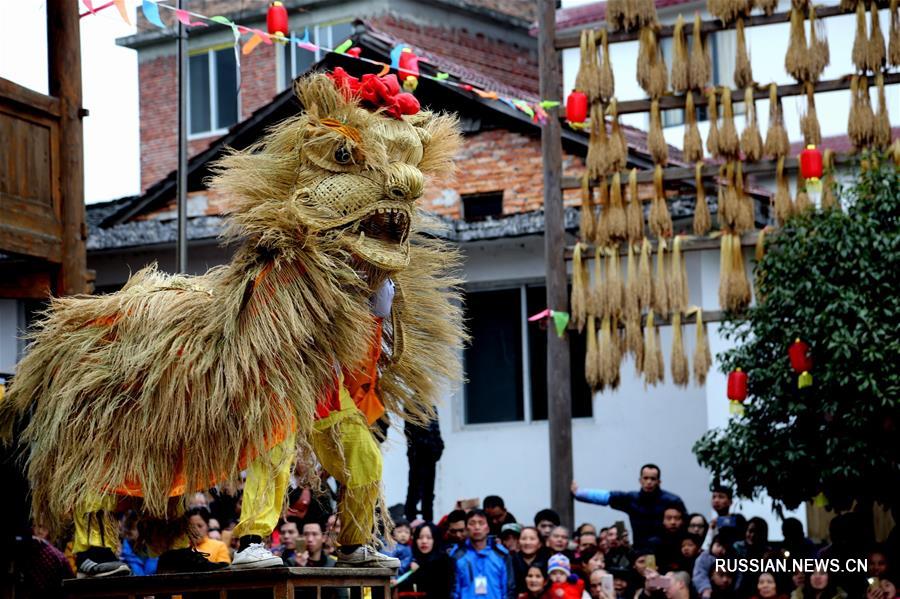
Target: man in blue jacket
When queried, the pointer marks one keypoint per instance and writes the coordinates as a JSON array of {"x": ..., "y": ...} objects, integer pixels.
[
  {"x": 645, "y": 508},
  {"x": 483, "y": 566}
]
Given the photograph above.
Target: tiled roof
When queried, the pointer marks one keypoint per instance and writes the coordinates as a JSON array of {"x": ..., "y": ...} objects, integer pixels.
[
  {"x": 837, "y": 143},
  {"x": 505, "y": 68},
  {"x": 522, "y": 9},
  {"x": 595, "y": 12}
]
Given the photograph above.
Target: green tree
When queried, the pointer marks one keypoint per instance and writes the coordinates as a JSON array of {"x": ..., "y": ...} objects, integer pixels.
[{"x": 831, "y": 278}]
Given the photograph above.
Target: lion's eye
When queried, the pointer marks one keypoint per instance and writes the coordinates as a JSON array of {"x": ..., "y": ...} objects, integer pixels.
[{"x": 342, "y": 155}]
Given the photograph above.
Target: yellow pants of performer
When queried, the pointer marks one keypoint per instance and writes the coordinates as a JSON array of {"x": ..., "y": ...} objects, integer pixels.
[{"x": 344, "y": 446}]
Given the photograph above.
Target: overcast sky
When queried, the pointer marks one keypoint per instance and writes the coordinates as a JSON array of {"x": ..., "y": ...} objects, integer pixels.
[{"x": 110, "y": 83}]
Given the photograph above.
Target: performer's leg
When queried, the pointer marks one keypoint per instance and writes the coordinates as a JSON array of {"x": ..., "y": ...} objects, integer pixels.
[
  {"x": 427, "y": 475},
  {"x": 268, "y": 478},
  {"x": 97, "y": 538},
  {"x": 412, "y": 489},
  {"x": 347, "y": 450}
]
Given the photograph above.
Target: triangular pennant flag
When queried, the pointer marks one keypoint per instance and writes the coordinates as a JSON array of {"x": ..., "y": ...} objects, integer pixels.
[
  {"x": 185, "y": 18},
  {"x": 265, "y": 37},
  {"x": 442, "y": 76},
  {"x": 345, "y": 45},
  {"x": 549, "y": 103},
  {"x": 90, "y": 6},
  {"x": 561, "y": 321},
  {"x": 251, "y": 44},
  {"x": 151, "y": 13},
  {"x": 120, "y": 4}
]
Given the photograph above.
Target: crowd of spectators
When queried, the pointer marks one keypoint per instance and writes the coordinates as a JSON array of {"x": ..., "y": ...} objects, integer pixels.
[{"x": 480, "y": 550}]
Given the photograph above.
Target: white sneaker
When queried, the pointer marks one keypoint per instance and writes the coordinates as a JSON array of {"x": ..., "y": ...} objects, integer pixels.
[
  {"x": 365, "y": 556},
  {"x": 255, "y": 556}
]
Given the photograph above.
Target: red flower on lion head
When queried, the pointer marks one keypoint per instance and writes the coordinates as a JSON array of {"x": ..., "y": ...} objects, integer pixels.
[{"x": 376, "y": 92}]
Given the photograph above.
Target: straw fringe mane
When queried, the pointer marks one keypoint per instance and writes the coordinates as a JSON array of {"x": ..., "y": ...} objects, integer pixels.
[{"x": 183, "y": 379}]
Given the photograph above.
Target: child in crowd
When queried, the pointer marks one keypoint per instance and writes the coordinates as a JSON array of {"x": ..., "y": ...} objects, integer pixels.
[
  {"x": 402, "y": 549},
  {"x": 562, "y": 584}
]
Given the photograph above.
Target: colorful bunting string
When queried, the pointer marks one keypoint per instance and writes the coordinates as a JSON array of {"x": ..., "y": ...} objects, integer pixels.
[{"x": 537, "y": 111}]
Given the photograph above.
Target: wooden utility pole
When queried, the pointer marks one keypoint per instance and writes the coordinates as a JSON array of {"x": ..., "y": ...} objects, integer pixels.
[
  {"x": 559, "y": 388},
  {"x": 64, "y": 71}
]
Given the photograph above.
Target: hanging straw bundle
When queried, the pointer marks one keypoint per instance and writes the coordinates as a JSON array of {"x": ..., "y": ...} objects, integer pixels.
[
  {"x": 809, "y": 122},
  {"x": 829, "y": 193},
  {"x": 729, "y": 145},
  {"x": 645, "y": 279},
  {"x": 700, "y": 66},
  {"x": 634, "y": 343},
  {"x": 659, "y": 220},
  {"x": 680, "y": 69},
  {"x": 723, "y": 198},
  {"x": 760, "y": 272},
  {"x": 601, "y": 229},
  {"x": 802, "y": 203},
  {"x": 615, "y": 15},
  {"x": 702, "y": 357},
  {"x": 611, "y": 358},
  {"x": 615, "y": 287},
  {"x": 597, "y": 299},
  {"x": 881, "y": 129},
  {"x": 784, "y": 207},
  {"x": 591, "y": 357},
  {"x": 654, "y": 368},
  {"x": 796, "y": 61},
  {"x": 632, "y": 299},
  {"x": 634, "y": 212},
  {"x": 738, "y": 285},
  {"x": 777, "y": 144},
  {"x": 894, "y": 35},
  {"x": 652, "y": 74},
  {"x": 607, "y": 80},
  {"x": 656, "y": 141},
  {"x": 661, "y": 283},
  {"x": 644, "y": 13},
  {"x": 587, "y": 221},
  {"x": 587, "y": 79},
  {"x": 702, "y": 221},
  {"x": 743, "y": 73},
  {"x": 767, "y": 6},
  {"x": 744, "y": 219},
  {"x": 856, "y": 127},
  {"x": 579, "y": 298},
  {"x": 860, "y": 42},
  {"x": 728, "y": 201},
  {"x": 618, "y": 149},
  {"x": 680, "y": 371},
  {"x": 875, "y": 54},
  {"x": 861, "y": 124},
  {"x": 616, "y": 213},
  {"x": 725, "y": 266},
  {"x": 598, "y": 144},
  {"x": 678, "y": 283},
  {"x": 712, "y": 138},
  {"x": 693, "y": 145},
  {"x": 751, "y": 140},
  {"x": 819, "y": 53}
]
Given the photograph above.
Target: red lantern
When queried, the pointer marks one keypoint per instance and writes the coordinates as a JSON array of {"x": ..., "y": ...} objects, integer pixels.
[
  {"x": 737, "y": 385},
  {"x": 801, "y": 361},
  {"x": 576, "y": 107},
  {"x": 277, "y": 20},
  {"x": 811, "y": 163},
  {"x": 409, "y": 69}
]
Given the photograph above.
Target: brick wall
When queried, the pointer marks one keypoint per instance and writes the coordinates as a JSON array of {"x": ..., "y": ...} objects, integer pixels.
[{"x": 158, "y": 106}]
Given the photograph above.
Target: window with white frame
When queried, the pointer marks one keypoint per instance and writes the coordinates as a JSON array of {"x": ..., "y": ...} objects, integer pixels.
[
  {"x": 295, "y": 61},
  {"x": 506, "y": 360},
  {"x": 212, "y": 90}
]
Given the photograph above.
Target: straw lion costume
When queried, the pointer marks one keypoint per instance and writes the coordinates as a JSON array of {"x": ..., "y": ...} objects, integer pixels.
[{"x": 178, "y": 382}]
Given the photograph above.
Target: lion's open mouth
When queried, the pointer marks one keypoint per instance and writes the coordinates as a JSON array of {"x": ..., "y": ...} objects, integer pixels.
[{"x": 386, "y": 224}]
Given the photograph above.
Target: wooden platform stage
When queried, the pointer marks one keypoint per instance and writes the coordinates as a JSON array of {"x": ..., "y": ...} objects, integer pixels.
[{"x": 278, "y": 583}]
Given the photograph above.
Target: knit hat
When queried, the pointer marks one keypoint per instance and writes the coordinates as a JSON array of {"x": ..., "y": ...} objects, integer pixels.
[{"x": 559, "y": 562}]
